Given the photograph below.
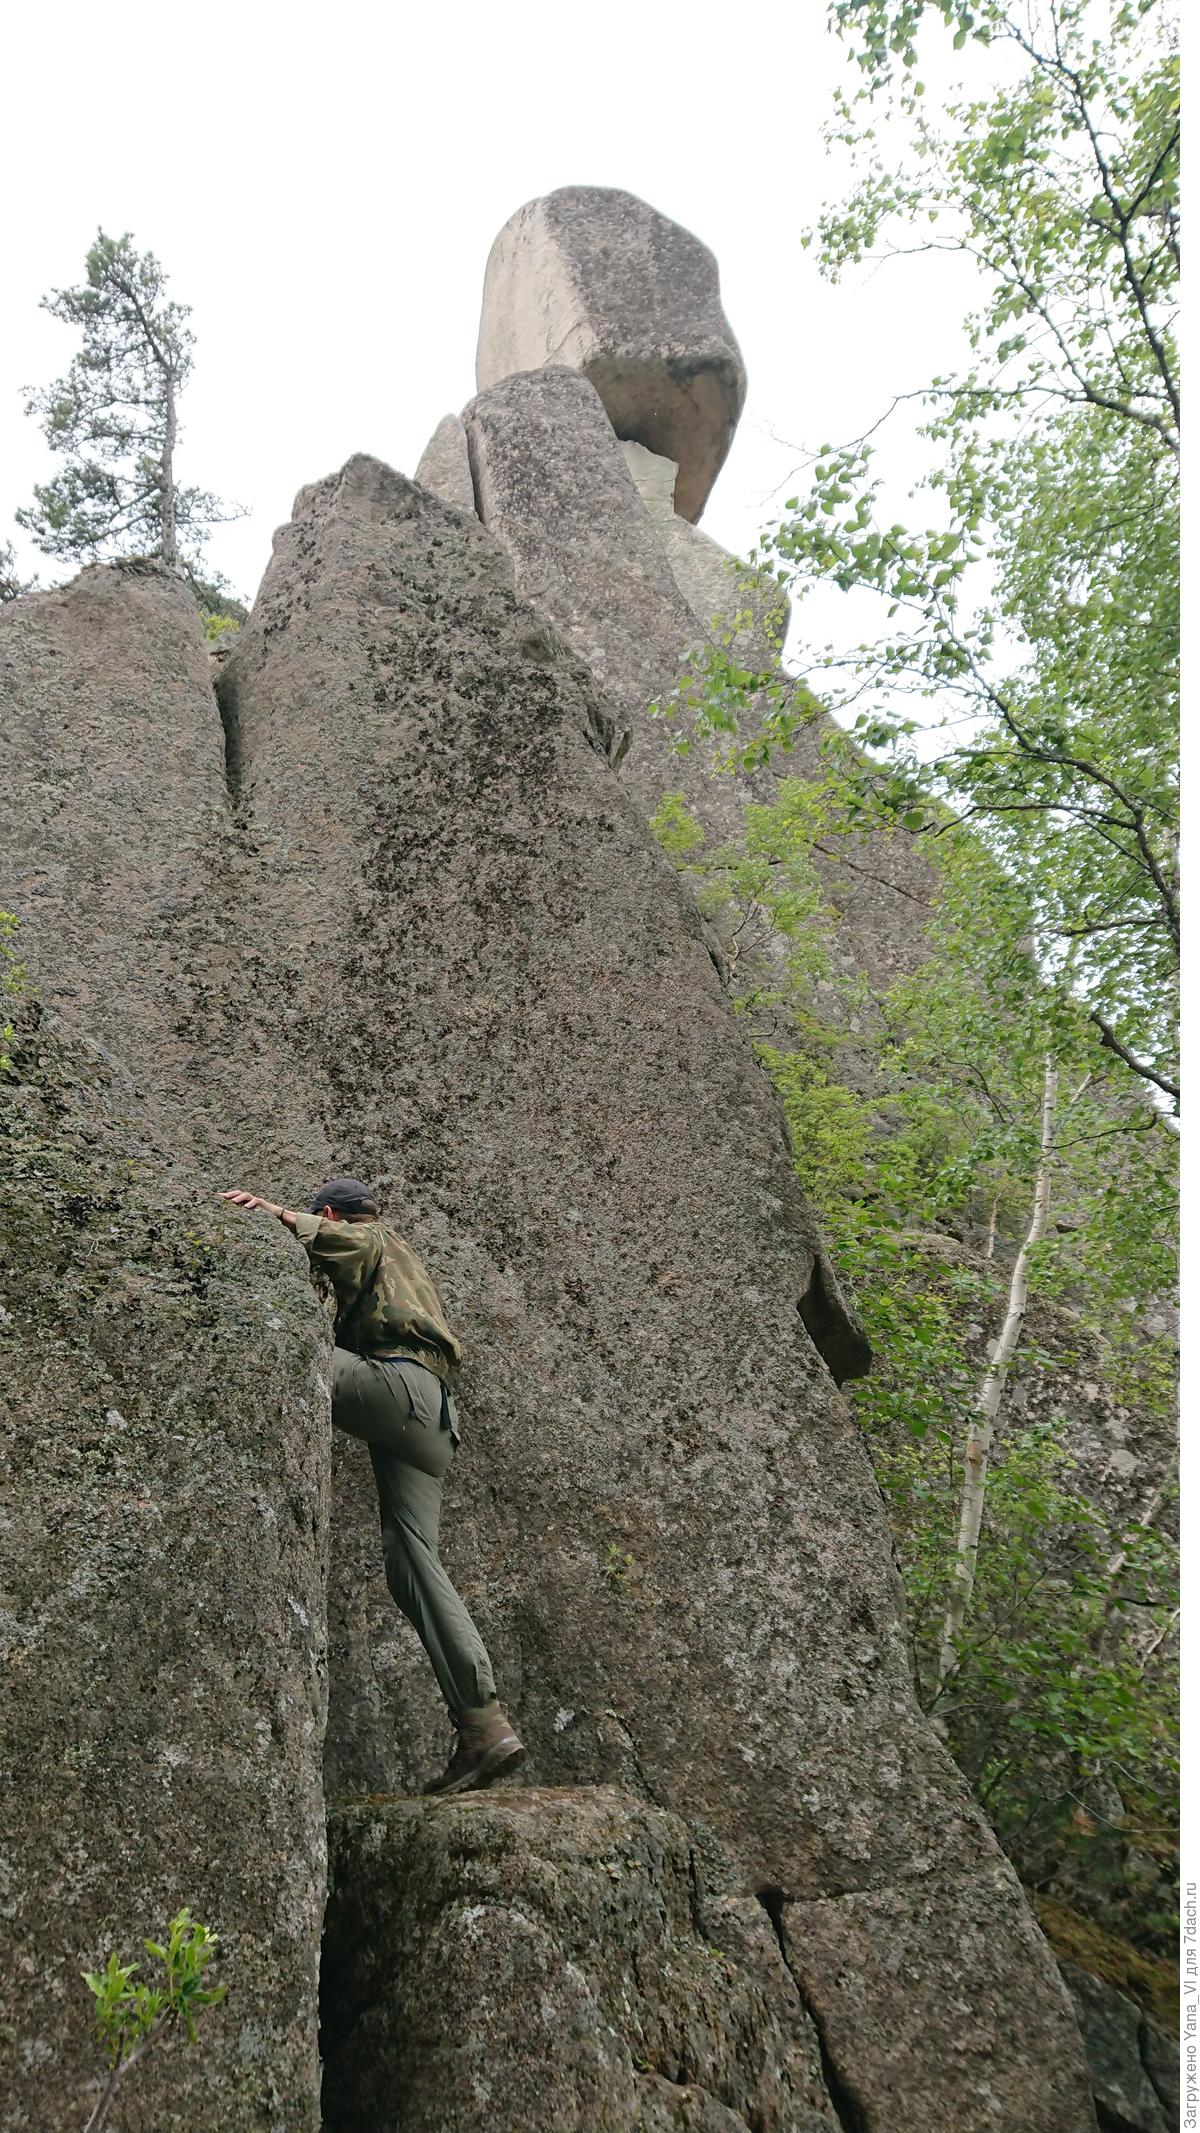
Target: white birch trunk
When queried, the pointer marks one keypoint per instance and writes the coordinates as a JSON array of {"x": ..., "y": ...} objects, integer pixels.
[{"x": 982, "y": 1426}]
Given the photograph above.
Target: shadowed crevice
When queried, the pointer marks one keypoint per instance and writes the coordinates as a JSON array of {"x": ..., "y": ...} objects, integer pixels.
[
  {"x": 844, "y": 2103},
  {"x": 225, "y": 691},
  {"x": 833, "y": 1324}
]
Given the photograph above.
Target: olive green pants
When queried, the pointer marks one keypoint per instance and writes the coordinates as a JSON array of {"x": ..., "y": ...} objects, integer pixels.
[{"x": 396, "y": 1408}]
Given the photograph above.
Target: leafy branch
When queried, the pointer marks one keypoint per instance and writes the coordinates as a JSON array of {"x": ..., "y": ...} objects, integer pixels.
[{"x": 133, "y": 2017}]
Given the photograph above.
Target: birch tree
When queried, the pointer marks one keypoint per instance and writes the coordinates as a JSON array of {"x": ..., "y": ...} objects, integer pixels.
[
  {"x": 982, "y": 1427},
  {"x": 928, "y": 1181},
  {"x": 1021, "y": 656},
  {"x": 114, "y": 419}
]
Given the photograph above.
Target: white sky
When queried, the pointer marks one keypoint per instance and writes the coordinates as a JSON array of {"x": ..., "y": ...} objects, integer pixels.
[{"x": 323, "y": 189}]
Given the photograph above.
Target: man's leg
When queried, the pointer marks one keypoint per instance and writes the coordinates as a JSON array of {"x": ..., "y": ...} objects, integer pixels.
[
  {"x": 411, "y": 1453},
  {"x": 410, "y": 1502}
]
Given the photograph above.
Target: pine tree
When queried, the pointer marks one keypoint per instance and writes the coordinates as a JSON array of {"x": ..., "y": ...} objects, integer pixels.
[
  {"x": 11, "y": 584},
  {"x": 115, "y": 419}
]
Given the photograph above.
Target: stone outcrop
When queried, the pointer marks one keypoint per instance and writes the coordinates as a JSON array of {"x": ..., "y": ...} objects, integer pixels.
[
  {"x": 663, "y": 1516},
  {"x": 1124, "y": 2055},
  {"x": 553, "y": 487},
  {"x": 391, "y": 911},
  {"x": 115, "y": 796},
  {"x": 626, "y": 583},
  {"x": 745, "y": 609},
  {"x": 549, "y": 1960},
  {"x": 595, "y": 280},
  {"x": 445, "y": 465},
  {"x": 165, "y": 1405},
  {"x": 405, "y": 920}
]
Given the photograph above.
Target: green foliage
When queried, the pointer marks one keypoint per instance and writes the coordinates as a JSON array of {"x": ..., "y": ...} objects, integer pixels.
[
  {"x": 114, "y": 419},
  {"x": 677, "y": 831},
  {"x": 12, "y": 980},
  {"x": 1023, "y": 679},
  {"x": 1053, "y": 1704},
  {"x": 131, "y": 2015},
  {"x": 616, "y": 1566},
  {"x": 914, "y": 1115},
  {"x": 221, "y": 612}
]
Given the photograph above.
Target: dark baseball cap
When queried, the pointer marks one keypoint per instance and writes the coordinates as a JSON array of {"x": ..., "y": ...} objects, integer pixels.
[{"x": 346, "y": 1196}]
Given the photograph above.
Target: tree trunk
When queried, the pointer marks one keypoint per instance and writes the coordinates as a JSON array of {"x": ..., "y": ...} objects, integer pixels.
[
  {"x": 167, "y": 500},
  {"x": 983, "y": 1422},
  {"x": 99, "y": 2118}
]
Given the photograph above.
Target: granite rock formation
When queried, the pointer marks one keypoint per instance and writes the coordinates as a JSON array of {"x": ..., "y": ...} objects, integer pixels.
[
  {"x": 603, "y": 551},
  {"x": 394, "y": 911},
  {"x": 596, "y": 280},
  {"x": 664, "y": 1516},
  {"x": 554, "y": 1959},
  {"x": 445, "y": 465},
  {"x": 166, "y": 1406},
  {"x": 1134, "y": 2069},
  {"x": 553, "y": 486}
]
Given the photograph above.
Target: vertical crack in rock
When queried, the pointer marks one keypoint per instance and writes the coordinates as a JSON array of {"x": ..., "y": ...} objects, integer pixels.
[
  {"x": 841, "y": 2096},
  {"x": 225, "y": 691},
  {"x": 473, "y": 462}
]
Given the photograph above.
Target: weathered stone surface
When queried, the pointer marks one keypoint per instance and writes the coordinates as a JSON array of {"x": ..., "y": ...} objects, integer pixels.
[
  {"x": 166, "y": 1410},
  {"x": 554, "y": 486},
  {"x": 663, "y": 1518},
  {"x": 1160, "y": 2057},
  {"x": 114, "y": 751},
  {"x": 743, "y": 609},
  {"x": 445, "y": 466},
  {"x": 968, "y": 1948},
  {"x": 596, "y": 280},
  {"x": 1112, "y": 2028},
  {"x": 550, "y": 1960}
]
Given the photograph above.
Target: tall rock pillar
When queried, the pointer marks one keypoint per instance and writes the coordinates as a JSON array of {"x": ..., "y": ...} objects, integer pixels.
[
  {"x": 165, "y": 1403},
  {"x": 663, "y": 1515}
]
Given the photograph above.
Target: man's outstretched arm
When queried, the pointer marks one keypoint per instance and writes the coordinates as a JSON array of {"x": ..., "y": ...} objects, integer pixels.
[
  {"x": 339, "y": 1249},
  {"x": 251, "y": 1199}
]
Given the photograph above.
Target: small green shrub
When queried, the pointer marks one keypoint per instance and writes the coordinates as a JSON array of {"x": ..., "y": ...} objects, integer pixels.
[{"x": 131, "y": 2017}]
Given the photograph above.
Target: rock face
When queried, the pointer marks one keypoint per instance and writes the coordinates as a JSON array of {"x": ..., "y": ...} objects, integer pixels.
[
  {"x": 115, "y": 794},
  {"x": 629, "y": 585},
  {"x": 392, "y": 912},
  {"x": 552, "y": 1960},
  {"x": 663, "y": 1517},
  {"x": 553, "y": 486},
  {"x": 445, "y": 465},
  {"x": 166, "y": 1408},
  {"x": 597, "y": 281},
  {"x": 1115, "y": 2037},
  {"x": 745, "y": 608}
]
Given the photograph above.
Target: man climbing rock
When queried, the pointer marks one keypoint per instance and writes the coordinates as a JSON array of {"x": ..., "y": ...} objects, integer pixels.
[{"x": 393, "y": 1364}]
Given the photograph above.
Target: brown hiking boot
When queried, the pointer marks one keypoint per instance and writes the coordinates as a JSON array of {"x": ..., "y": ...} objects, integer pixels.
[{"x": 486, "y": 1749}]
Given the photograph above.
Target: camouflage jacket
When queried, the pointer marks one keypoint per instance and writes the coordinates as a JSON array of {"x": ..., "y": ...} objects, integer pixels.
[{"x": 386, "y": 1302}]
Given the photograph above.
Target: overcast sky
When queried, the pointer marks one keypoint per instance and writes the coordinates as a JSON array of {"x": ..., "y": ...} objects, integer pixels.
[{"x": 323, "y": 189}]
